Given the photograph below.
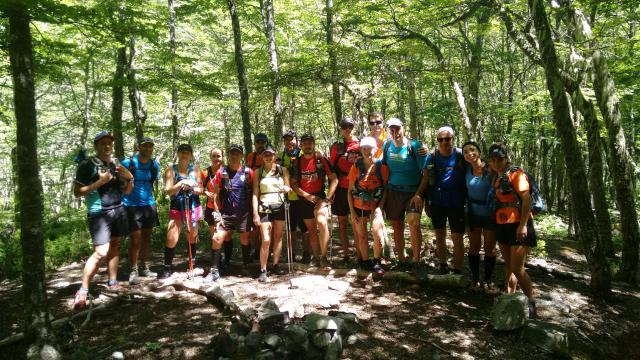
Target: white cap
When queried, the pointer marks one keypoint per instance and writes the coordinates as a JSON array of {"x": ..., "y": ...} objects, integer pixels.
[
  {"x": 394, "y": 122},
  {"x": 369, "y": 141},
  {"x": 447, "y": 129}
]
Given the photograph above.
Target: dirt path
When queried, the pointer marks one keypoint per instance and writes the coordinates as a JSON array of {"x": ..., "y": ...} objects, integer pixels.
[{"x": 400, "y": 321}]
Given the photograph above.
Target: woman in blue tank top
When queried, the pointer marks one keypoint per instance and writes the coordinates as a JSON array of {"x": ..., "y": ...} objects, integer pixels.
[
  {"x": 183, "y": 185},
  {"x": 481, "y": 218}
]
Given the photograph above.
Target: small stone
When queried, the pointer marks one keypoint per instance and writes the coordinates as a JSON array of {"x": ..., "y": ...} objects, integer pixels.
[
  {"x": 253, "y": 341},
  {"x": 274, "y": 319},
  {"x": 117, "y": 355},
  {"x": 265, "y": 355},
  {"x": 224, "y": 344},
  {"x": 351, "y": 323},
  {"x": 272, "y": 340},
  {"x": 552, "y": 338},
  {"x": 321, "y": 339},
  {"x": 314, "y": 321},
  {"x": 296, "y": 339},
  {"x": 268, "y": 306},
  {"x": 352, "y": 339},
  {"x": 509, "y": 312}
]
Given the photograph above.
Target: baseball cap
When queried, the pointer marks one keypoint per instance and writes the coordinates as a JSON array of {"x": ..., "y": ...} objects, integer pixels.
[
  {"x": 347, "y": 122},
  {"x": 237, "y": 147},
  {"x": 394, "y": 122},
  {"x": 447, "y": 129},
  {"x": 261, "y": 137},
  {"x": 307, "y": 136},
  {"x": 146, "y": 140},
  {"x": 101, "y": 135},
  {"x": 185, "y": 147},
  {"x": 497, "y": 152},
  {"x": 270, "y": 149},
  {"x": 368, "y": 141},
  {"x": 290, "y": 133}
]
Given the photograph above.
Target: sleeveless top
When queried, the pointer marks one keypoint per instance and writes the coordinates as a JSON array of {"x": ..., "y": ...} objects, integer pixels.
[
  {"x": 271, "y": 186},
  {"x": 178, "y": 199}
]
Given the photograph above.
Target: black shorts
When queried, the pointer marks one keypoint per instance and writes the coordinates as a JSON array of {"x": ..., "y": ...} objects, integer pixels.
[
  {"x": 481, "y": 222},
  {"x": 295, "y": 216},
  {"x": 398, "y": 203},
  {"x": 107, "y": 223},
  {"x": 273, "y": 215},
  {"x": 340, "y": 206},
  {"x": 142, "y": 217},
  {"x": 506, "y": 235},
  {"x": 241, "y": 223},
  {"x": 440, "y": 214},
  {"x": 208, "y": 217},
  {"x": 362, "y": 213},
  {"x": 306, "y": 208}
]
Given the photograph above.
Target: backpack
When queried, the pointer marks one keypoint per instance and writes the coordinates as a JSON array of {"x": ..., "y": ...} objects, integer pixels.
[
  {"x": 367, "y": 195},
  {"x": 537, "y": 202},
  {"x": 459, "y": 165},
  {"x": 319, "y": 169},
  {"x": 153, "y": 170},
  {"x": 341, "y": 151},
  {"x": 410, "y": 150}
]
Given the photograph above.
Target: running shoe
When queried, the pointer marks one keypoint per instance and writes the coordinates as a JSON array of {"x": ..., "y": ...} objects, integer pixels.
[
  {"x": 276, "y": 269},
  {"x": 378, "y": 270},
  {"x": 134, "y": 278},
  {"x": 146, "y": 272},
  {"x": 263, "y": 276},
  {"x": 212, "y": 276},
  {"x": 324, "y": 263},
  {"x": 166, "y": 273}
]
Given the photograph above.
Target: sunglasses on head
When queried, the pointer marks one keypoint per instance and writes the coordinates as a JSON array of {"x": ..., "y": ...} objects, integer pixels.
[
  {"x": 447, "y": 139},
  {"x": 375, "y": 122}
]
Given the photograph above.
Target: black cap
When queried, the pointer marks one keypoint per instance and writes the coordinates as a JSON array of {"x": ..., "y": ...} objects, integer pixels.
[
  {"x": 236, "y": 147},
  {"x": 347, "y": 122},
  {"x": 269, "y": 148},
  {"x": 261, "y": 137},
  {"x": 101, "y": 135},
  {"x": 146, "y": 140},
  {"x": 185, "y": 147},
  {"x": 289, "y": 133},
  {"x": 307, "y": 136},
  {"x": 497, "y": 152}
]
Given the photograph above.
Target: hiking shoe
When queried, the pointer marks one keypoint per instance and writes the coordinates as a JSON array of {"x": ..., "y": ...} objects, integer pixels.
[
  {"x": 378, "y": 270},
  {"x": 244, "y": 272},
  {"x": 533, "y": 313},
  {"x": 476, "y": 286},
  {"x": 276, "y": 269},
  {"x": 212, "y": 276},
  {"x": 419, "y": 271},
  {"x": 80, "y": 300},
  {"x": 263, "y": 276},
  {"x": 114, "y": 285},
  {"x": 324, "y": 263},
  {"x": 134, "y": 279},
  {"x": 444, "y": 269},
  {"x": 315, "y": 262},
  {"x": 166, "y": 273},
  {"x": 146, "y": 272},
  {"x": 306, "y": 258},
  {"x": 491, "y": 289}
]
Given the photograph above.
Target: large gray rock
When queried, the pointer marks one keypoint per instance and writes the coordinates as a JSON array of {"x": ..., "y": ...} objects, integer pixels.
[
  {"x": 510, "y": 312},
  {"x": 224, "y": 344},
  {"x": 265, "y": 355},
  {"x": 273, "y": 319},
  {"x": 272, "y": 340},
  {"x": 322, "y": 338},
  {"x": 296, "y": 339},
  {"x": 239, "y": 329},
  {"x": 253, "y": 341},
  {"x": 549, "y": 337},
  {"x": 314, "y": 322},
  {"x": 351, "y": 324}
]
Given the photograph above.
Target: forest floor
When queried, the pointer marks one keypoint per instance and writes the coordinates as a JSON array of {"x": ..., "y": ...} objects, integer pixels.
[{"x": 400, "y": 321}]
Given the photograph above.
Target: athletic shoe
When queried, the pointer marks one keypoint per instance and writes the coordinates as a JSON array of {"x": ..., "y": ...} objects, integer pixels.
[
  {"x": 476, "y": 286},
  {"x": 491, "y": 289},
  {"x": 244, "y": 272},
  {"x": 533, "y": 313},
  {"x": 378, "y": 270},
  {"x": 80, "y": 300},
  {"x": 419, "y": 271},
  {"x": 166, "y": 273},
  {"x": 315, "y": 262},
  {"x": 212, "y": 276},
  {"x": 276, "y": 269},
  {"x": 134, "y": 279},
  {"x": 306, "y": 258},
  {"x": 324, "y": 263},
  {"x": 444, "y": 269},
  {"x": 114, "y": 285},
  {"x": 263, "y": 276},
  {"x": 146, "y": 272}
]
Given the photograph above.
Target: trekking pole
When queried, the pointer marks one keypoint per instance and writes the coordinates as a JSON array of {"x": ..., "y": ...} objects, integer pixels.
[
  {"x": 187, "y": 224},
  {"x": 287, "y": 230},
  {"x": 330, "y": 235}
]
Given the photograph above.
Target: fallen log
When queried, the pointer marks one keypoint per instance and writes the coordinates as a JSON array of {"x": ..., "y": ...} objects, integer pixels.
[{"x": 449, "y": 280}]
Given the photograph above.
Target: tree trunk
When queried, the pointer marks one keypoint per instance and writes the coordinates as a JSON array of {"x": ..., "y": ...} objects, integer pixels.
[
  {"x": 173, "y": 105},
  {"x": 268, "y": 16},
  {"x": 242, "y": 76},
  {"x": 37, "y": 322},
  {"x": 136, "y": 98},
  {"x": 413, "y": 106},
  {"x": 475, "y": 73},
  {"x": 587, "y": 227},
  {"x": 333, "y": 64},
  {"x": 117, "y": 95}
]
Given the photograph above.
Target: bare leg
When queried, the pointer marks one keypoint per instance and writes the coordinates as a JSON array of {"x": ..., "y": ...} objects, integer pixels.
[
  {"x": 265, "y": 231},
  {"x": 398, "y": 238},
  {"x": 312, "y": 230},
  {"x": 321, "y": 215},
  {"x": 458, "y": 251},
  {"x": 441, "y": 245},
  {"x": 93, "y": 263},
  {"x": 134, "y": 247},
  {"x": 413, "y": 219},
  {"x": 112, "y": 257},
  {"x": 278, "y": 230},
  {"x": 518, "y": 258}
]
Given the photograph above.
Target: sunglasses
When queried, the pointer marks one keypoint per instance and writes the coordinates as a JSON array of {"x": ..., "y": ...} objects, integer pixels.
[
  {"x": 394, "y": 128},
  {"x": 447, "y": 139},
  {"x": 375, "y": 122}
]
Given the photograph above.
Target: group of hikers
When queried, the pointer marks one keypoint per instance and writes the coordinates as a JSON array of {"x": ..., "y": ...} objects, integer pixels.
[{"x": 384, "y": 174}]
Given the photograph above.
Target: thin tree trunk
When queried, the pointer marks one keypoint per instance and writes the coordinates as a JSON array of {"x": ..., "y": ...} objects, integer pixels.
[
  {"x": 136, "y": 98},
  {"x": 587, "y": 227},
  {"x": 37, "y": 322},
  {"x": 333, "y": 64},
  {"x": 268, "y": 15},
  {"x": 413, "y": 106},
  {"x": 242, "y": 76},
  {"x": 475, "y": 73},
  {"x": 173, "y": 105},
  {"x": 117, "y": 95}
]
